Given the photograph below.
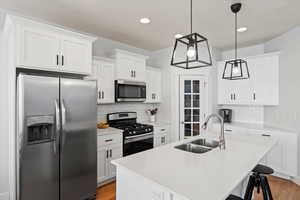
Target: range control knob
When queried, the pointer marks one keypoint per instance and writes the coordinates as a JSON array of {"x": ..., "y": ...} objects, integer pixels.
[{"x": 134, "y": 132}]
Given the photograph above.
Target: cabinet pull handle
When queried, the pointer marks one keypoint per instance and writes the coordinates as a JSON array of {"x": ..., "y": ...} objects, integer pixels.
[
  {"x": 57, "y": 62},
  {"x": 131, "y": 73},
  {"x": 254, "y": 96},
  {"x": 162, "y": 129},
  {"x": 266, "y": 135},
  {"x": 134, "y": 74},
  {"x": 106, "y": 153},
  {"x": 231, "y": 97},
  {"x": 99, "y": 94},
  {"x": 228, "y": 130},
  {"x": 110, "y": 152},
  {"x": 102, "y": 95},
  {"x": 62, "y": 60},
  {"x": 109, "y": 140}
]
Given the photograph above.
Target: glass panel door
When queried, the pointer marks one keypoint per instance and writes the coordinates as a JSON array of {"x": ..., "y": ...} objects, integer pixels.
[{"x": 192, "y": 106}]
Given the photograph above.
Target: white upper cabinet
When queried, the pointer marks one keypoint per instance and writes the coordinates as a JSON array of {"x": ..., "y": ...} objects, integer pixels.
[
  {"x": 130, "y": 66},
  {"x": 261, "y": 89},
  {"x": 103, "y": 71},
  {"x": 50, "y": 48},
  {"x": 39, "y": 48},
  {"x": 153, "y": 85},
  {"x": 76, "y": 55}
]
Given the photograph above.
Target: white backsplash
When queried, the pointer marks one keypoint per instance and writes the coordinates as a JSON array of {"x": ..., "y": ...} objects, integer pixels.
[
  {"x": 140, "y": 108},
  {"x": 246, "y": 114}
]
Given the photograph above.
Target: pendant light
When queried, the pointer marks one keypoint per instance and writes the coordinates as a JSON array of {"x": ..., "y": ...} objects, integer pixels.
[
  {"x": 236, "y": 69},
  {"x": 192, "y": 50}
]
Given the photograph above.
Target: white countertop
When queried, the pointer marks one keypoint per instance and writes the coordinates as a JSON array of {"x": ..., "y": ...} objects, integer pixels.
[
  {"x": 109, "y": 130},
  {"x": 210, "y": 176},
  {"x": 158, "y": 124},
  {"x": 256, "y": 126}
]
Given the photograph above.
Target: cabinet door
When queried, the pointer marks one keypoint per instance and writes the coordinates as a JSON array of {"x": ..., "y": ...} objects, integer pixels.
[
  {"x": 102, "y": 169},
  {"x": 76, "y": 56},
  {"x": 265, "y": 78},
  {"x": 124, "y": 68},
  {"x": 153, "y": 80},
  {"x": 276, "y": 157},
  {"x": 115, "y": 152},
  {"x": 39, "y": 49},
  {"x": 139, "y": 69},
  {"x": 106, "y": 89},
  {"x": 225, "y": 90}
]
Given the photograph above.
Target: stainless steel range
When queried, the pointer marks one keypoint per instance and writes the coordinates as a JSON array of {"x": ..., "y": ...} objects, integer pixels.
[{"x": 136, "y": 137}]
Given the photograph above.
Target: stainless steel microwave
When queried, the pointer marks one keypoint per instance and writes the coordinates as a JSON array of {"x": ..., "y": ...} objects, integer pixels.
[{"x": 130, "y": 91}]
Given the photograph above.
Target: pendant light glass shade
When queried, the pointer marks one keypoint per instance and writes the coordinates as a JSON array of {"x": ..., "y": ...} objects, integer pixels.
[
  {"x": 236, "y": 69},
  {"x": 192, "y": 50}
]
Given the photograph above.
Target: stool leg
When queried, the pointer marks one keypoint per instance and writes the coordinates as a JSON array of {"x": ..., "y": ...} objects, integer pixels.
[
  {"x": 268, "y": 188},
  {"x": 250, "y": 188},
  {"x": 264, "y": 187}
]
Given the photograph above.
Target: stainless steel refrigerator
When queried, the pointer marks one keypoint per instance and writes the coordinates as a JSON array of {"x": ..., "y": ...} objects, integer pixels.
[{"x": 57, "y": 138}]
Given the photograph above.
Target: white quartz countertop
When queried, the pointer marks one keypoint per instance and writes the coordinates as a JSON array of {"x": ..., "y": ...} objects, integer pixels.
[
  {"x": 158, "y": 124},
  {"x": 209, "y": 176},
  {"x": 109, "y": 130}
]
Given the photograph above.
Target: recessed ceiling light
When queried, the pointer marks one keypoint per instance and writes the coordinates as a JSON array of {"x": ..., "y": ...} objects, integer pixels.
[
  {"x": 145, "y": 20},
  {"x": 178, "y": 35},
  {"x": 242, "y": 29}
]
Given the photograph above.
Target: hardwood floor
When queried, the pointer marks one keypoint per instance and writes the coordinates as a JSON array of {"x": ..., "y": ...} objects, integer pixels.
[
  {"x": 281, "y": 190},
  {"x": 107, "y": 192}
]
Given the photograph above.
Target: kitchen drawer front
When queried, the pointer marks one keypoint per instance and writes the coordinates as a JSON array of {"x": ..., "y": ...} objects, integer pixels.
[
  {"x": 161, "y": 130},
  {"x": 104, "y": 140}
]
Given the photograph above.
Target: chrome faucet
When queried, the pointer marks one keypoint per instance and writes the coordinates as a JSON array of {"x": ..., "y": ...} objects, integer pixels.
[{"x": 221, "y": 137}]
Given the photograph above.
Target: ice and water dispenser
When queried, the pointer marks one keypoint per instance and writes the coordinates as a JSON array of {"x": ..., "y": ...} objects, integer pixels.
[{"x": 40, "y": 129}]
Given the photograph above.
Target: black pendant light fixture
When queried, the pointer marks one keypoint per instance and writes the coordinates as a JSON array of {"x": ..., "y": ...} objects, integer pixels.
[
  {"x": 192, "y": 50},
  {"x": 236, "y": 69}
]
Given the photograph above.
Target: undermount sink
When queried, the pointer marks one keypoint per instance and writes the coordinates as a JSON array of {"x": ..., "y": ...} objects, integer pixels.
[
  {"x": 199, "y": 146},
  {"x": 206, "y": 143}
]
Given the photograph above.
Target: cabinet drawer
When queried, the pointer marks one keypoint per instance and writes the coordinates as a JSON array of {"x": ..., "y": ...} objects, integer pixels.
[
  {"x": 161, "y": 129},
  {"x": 104, "y": 140}
]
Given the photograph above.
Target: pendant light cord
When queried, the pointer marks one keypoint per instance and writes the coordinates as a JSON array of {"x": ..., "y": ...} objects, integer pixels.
[
  {"x": 235, "y": 31},
  {"x": 191, "y": 16}
]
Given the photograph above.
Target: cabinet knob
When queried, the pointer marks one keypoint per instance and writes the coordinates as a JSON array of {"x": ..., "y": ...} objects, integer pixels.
[{"x": 62, "y": 60}]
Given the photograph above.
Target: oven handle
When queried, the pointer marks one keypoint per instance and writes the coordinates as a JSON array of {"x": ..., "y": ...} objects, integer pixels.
[{"x": 135, "y": 138}]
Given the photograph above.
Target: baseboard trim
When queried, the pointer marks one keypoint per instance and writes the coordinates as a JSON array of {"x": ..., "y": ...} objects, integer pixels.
[
  {"x": 4, "y": 196},
  {"x": 296, "y": 180}
]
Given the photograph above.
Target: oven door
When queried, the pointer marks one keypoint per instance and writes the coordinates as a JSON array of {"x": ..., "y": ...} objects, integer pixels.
[
  {"x": 135, "y": 144},
  {"x": 128, "y": 91}
]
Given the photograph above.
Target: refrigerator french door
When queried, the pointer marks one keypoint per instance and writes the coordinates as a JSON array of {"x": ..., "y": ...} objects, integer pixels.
[{"x": 57, "y": 150}]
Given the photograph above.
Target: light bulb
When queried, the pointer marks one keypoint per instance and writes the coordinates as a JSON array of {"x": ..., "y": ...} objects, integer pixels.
[
  {"x": 191, "y": 52},
  {"x": 236, "y": 70}
]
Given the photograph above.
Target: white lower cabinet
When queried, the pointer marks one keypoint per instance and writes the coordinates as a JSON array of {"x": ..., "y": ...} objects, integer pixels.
[
  {"x": 110, "y": 147},
  {"x": 282, "y": 157},
  {"x": 161, "y": 135}
]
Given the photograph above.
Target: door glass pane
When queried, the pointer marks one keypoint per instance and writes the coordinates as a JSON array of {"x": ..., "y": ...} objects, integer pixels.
[
  {"x": 196, "y": 113},
  {"x": 187, "y": 130},
  {"x": 196, "y": 88},
  {"x": 187, "y": 101},
  {"x": 196, "y": 101},
  {"x": 196, "y": 129},
  {"x": 187, "y": 115},
  {"x": 187, "y": 86}
]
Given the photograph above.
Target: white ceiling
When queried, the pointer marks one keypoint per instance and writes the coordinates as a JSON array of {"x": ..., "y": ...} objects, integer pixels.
[{"x": 119, "y": 19}]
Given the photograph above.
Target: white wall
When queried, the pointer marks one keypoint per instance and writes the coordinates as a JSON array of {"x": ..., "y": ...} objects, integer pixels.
[
  {"x": 140, "y": 108},
  {"x": 287, "y": 114},
  {"x": 170, "y": 86},
  {"x": 3, "y": 124},
  {"x": 244, "y": 52},
  {"x": 104, "y": 47}
]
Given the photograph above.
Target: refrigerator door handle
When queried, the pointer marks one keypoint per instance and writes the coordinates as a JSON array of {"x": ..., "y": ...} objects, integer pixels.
[
  {"x": 57, "y": 127},
  {"x": 63, "y": 123}
]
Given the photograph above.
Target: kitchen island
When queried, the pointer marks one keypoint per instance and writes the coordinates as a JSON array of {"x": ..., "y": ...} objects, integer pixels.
[{"x": 167, "y": 173}]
